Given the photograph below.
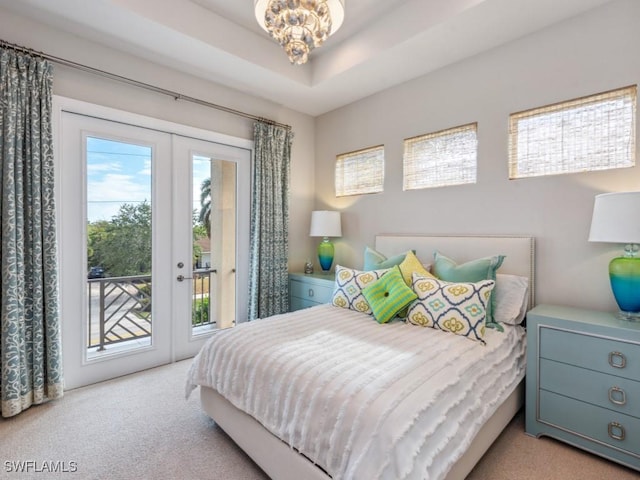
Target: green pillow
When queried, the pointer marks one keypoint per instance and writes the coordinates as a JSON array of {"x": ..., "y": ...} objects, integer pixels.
[
  {"x": 474, "y": 271},
  {"x": 374, "y": 260},
  {"x": 389, "y": 295}
]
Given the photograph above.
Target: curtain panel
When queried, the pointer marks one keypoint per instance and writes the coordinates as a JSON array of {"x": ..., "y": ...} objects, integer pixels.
[
  {"x": 269, "y": 256},
  {"x": 30, "y": 343}
]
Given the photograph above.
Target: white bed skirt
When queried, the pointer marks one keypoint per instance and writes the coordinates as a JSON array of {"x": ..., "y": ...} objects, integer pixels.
[{"x": 281, "y": 462}]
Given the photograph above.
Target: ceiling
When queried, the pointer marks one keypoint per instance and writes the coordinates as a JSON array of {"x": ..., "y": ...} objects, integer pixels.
[{"x": 381, "y": 43}]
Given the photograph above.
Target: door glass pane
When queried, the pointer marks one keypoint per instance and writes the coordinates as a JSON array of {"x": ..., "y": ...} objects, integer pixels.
[
  {"x": 214, "y": 244},
  {"x": 118, "y": 245}
]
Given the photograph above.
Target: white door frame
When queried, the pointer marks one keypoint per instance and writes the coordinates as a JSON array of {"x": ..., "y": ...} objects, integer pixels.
[{"x": 69, "y": 303}]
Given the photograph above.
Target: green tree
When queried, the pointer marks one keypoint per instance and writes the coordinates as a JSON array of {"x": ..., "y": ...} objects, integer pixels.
[
  {"x": 122, "y": 246},
  {"x": 199, "y": 231},
  {"x": 96, "y": 236},
  {"x": 205, "y": 203}
]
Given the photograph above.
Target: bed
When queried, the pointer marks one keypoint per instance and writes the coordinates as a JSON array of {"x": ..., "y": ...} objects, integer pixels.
[{"x": 344, "y": 397}]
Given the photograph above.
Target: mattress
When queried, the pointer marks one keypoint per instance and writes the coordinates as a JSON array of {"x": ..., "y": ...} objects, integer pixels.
[{"x": 360, "y": 399}]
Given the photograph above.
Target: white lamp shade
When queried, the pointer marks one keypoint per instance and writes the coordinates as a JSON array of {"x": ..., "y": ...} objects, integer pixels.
[
  {"x": 325, "y": 223},
  {"x": 616, "y": 218}
]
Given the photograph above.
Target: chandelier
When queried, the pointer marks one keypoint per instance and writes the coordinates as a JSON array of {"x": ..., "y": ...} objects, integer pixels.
[{"x": 299, "y": 26}]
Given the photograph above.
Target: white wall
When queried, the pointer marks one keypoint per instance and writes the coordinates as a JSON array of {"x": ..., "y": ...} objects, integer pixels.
[
  {"x": 73, "y": 83},
  {"x": 592, "y": 53}
]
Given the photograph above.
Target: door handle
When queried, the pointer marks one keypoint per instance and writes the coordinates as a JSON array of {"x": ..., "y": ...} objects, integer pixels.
[{"x": 182, "y": 278}]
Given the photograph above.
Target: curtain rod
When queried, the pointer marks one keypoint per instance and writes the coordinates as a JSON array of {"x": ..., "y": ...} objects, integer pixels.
[{"x": 136, "y": 83}]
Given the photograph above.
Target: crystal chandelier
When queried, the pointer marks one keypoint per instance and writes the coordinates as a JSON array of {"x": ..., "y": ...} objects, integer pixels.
[{"x": 299, "y": 26}]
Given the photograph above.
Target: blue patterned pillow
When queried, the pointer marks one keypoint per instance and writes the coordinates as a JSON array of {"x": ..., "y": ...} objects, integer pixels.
[
  {"x": 348, "y": 288},
  {"x": 481, "y": 269},
  {"x": 459, "y": 308}
]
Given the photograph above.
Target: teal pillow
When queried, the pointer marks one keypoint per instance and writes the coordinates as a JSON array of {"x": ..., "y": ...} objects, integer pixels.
[
  {"x": 474, "y": 271},
  {"x": 388, "y": 295},
  {"x": 374, "y": 260}
]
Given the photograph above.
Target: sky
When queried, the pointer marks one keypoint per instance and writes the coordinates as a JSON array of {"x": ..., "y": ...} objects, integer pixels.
[{"x": 119, "y": 173}]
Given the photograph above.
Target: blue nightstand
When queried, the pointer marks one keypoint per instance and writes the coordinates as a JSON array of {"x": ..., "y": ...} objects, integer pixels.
[
  {"x": 307, "y": 290},
  {"x": 583, "y": 381}
]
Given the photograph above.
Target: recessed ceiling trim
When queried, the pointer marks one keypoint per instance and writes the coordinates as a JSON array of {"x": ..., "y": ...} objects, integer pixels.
[{"x": 380, "y": 45}]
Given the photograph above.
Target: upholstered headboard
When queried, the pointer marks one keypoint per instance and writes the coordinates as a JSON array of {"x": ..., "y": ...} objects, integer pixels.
[{"x": 519, "y": 251}]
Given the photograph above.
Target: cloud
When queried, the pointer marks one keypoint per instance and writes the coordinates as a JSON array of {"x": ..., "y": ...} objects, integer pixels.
[
  {"x": 118, "y": 187},
  {"x": 106, "y": 193},
  {"x": 146, "y": 169},
  {"x": 99, "y": 168},
  {"x": 201, "y": 171}
]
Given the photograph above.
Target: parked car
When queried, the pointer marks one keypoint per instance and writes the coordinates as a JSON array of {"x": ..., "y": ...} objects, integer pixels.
[{"x": 96, "y": 272}]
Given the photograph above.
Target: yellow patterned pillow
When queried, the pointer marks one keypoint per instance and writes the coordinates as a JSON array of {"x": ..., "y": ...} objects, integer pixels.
[
  {"x": 459, "y": 308},
  {"x": 348, "y": 288},
  {"x": 410, "y": 265}
]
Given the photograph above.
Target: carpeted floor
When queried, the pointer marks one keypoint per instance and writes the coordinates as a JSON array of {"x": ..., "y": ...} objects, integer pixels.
[{"x": 141, "y": 427}]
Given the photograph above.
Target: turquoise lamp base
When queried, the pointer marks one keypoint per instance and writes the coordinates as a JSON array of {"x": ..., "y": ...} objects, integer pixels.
[
  {"x": 624, "y": 273},
  {"x": 325, "y": 254}
]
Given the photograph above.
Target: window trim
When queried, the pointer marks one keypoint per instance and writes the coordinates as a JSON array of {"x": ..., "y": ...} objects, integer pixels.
[
  {"x": 471, "y": 127},
  {"x": 352, "y": 190},
  {"x": 567, "y": 105}
]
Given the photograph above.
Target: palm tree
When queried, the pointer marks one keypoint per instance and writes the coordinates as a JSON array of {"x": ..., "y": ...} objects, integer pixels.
[{"x": 205, "y": 203}]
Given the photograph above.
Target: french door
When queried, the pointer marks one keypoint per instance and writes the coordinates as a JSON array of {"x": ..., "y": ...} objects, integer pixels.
[
  {"x": 154, "y": 239},
  {"x": 211, "y": 245}
]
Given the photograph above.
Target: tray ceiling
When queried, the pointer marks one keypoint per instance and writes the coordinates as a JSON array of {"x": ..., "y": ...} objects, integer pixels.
[{"x": 381, "y": 43}]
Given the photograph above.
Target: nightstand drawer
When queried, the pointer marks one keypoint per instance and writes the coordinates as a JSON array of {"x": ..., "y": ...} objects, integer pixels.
[
  {"x": 311, "y": 292},
  {"x": 583, "y": 381},
  {"x": 607, "y": 355},
  {"x": 608, "y": 391},
  {"x": 308, "y": 290},
  {"x": 601, "y": 425},
  {"x": 299, "y": 304}
]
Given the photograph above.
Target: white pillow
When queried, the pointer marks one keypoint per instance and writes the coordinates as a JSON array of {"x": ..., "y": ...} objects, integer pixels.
[{"x": 511, "y": 298}]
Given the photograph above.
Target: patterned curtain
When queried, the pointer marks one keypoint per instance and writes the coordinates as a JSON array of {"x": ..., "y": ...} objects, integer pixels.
[
  {"x": 269, "y": 286},
  {"x": 30, "y": 344}
]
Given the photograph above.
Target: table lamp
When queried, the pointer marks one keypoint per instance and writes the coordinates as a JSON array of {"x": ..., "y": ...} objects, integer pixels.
[
  {"x": 325, "y": 224},
  {"x": 616, "y": 219}
]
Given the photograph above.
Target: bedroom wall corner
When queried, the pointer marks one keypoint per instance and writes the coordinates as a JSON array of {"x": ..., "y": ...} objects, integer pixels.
[
  {"x": 584, "y": 55},
  {"x": 72, "y": 83}
]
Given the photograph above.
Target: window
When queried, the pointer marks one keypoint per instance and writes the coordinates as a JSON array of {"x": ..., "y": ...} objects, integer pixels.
[
  {"x": 360, "y": 172},
  {"x": 585, "y": 134},
  {"x": 447, "y": 157}
]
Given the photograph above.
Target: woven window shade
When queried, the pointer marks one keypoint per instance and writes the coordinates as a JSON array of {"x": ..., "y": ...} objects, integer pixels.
[
  {"x": 360, "y": 172},
  {"x": 447, "y": 157},
  {"x": 585, "y": 134}
]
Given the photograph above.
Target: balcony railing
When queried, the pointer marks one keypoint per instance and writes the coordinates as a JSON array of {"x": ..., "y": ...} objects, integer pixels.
[
  {"x": 120, "y": 308},
  {"x": 200, "y": 305}
]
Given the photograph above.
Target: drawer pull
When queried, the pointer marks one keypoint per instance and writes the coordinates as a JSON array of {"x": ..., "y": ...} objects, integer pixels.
[
  {"x": 616, "y": 431},
  {"x": 617, "y": 396},
  {"x": 310, "y": 292},
  {"x": 617, "y": 360}
]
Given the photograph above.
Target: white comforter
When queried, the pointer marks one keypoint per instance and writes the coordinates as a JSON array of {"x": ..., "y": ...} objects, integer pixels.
[{"x": 363, "y": 400}]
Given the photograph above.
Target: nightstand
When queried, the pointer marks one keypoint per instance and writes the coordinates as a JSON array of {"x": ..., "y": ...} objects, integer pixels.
[
  {"x": 583, "y": 381},
  {"x": 307, "y": 290}
]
